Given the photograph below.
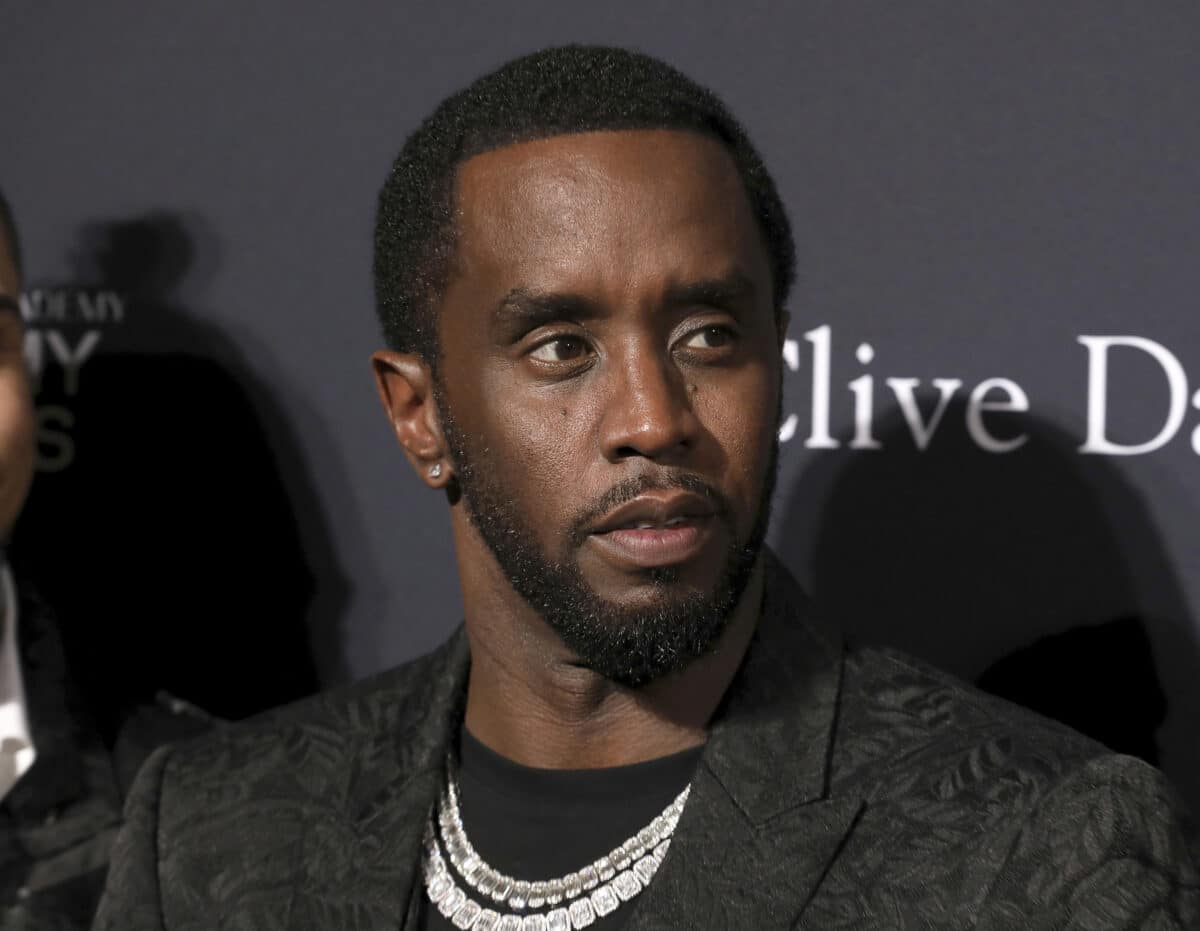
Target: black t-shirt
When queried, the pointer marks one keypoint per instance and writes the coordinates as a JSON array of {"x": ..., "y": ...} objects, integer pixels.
[{"x": 542, "y": 823}]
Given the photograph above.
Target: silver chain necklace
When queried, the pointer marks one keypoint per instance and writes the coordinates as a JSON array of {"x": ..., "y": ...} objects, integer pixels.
[{"x": 581, "y": 897}]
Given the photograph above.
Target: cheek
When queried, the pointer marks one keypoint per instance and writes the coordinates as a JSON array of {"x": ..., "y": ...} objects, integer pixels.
[
  {"x": 16, "y": 415},
  {"x": 739, "y": 415},
  {"x": 536, "y": 451},
  {"x": 559, "y": 452},
  {"x": 16, "y": 444}
]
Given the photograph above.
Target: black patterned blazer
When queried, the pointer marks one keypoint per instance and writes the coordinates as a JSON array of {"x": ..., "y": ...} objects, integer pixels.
[{"x": 838, "y": 789}]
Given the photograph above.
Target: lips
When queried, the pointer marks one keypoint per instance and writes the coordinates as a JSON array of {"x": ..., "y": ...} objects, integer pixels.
[{"x": 655, "y": 529}]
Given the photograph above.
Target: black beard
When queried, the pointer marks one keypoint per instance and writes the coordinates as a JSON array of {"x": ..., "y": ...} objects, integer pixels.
[{"x": 628, "y": 645}]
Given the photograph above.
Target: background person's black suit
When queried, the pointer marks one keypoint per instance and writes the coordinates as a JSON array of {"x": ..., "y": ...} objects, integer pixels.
[{"x": 58, "y": 823}]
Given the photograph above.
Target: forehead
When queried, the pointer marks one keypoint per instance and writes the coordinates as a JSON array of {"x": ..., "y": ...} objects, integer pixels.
[{"x": 638, "y": 202}]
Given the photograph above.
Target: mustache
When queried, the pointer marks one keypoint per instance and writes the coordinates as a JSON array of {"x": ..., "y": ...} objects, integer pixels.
[{"x": 631, "y": 488}]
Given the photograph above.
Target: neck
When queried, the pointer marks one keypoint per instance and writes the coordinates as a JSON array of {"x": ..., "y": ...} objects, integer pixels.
[{"x": 529, "y": 700}]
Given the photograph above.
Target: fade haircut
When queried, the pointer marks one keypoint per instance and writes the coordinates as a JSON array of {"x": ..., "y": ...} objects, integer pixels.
[
  {"x": 558, "y": 91},
  {"x": 8, "y": 229}
]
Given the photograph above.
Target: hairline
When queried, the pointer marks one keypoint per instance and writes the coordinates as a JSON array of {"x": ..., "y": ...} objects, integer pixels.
[{"x": 452, "y": 228}]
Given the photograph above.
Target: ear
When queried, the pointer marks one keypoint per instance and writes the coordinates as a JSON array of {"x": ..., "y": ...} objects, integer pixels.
[{"x": 405, "y": 386}]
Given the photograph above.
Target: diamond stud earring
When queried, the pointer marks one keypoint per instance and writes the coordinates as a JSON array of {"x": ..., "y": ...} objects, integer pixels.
[{"x": 435, "y": 470}]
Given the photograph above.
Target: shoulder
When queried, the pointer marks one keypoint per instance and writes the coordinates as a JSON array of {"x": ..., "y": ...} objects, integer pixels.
[
  {"x": 902, "y": 718},
  {"x": 924, "y": 747},
  {"x": 1015, "y": 813},
  {"x": 231, "y": 820},
  {"x": 305, "y": 749}
]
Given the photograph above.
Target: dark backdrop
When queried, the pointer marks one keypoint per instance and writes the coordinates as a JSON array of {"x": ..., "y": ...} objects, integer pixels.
[{"x": 975, "y": 186}]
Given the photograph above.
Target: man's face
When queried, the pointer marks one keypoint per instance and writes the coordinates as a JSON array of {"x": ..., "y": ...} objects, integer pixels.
[
  {"x": 16, "y": 404},
  {"x": 609, "y": 387}
]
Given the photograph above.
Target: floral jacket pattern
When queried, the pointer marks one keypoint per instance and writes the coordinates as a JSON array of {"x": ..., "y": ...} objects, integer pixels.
[{"x": 839, "y": 788}]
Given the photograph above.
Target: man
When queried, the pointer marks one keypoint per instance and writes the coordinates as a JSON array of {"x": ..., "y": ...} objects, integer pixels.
[
  {"x": 59, "y": 803},
  {"x": 60, "y": 784},
  {"x": 582, "y": 267}
]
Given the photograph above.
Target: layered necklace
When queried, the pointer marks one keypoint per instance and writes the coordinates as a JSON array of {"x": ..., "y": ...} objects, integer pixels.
[{"x": 568, "y": 902}]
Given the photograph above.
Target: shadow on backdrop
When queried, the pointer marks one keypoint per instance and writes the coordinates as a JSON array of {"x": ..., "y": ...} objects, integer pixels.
[
  {"x": 1006, "y": 569},
  {"x": 182, "y": 546}
]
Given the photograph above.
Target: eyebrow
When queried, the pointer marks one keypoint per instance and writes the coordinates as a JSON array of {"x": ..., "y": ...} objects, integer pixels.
[
  {"x": 722, "y": 292},
  {"x": 530, "y": 308}
]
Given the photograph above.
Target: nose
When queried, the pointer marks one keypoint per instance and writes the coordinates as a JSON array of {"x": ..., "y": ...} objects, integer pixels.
[{"x": 648, "y": 411}]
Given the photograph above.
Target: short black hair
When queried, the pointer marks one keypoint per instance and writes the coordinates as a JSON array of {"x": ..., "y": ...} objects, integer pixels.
[
  {"x": 8, "y": 228},
  {"x": 557, "y": 91}
]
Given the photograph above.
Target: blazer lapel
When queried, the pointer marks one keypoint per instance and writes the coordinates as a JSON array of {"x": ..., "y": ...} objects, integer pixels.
[
  {"x": 757, "y": 836},
  {"x": 760, "y": 830},
  {"x": 724, "y": 871},
  {"x": 393, "y": 784}
]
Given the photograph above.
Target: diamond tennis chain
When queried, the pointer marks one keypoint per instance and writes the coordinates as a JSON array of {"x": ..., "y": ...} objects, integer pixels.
[{"x": 582, "y": 896}]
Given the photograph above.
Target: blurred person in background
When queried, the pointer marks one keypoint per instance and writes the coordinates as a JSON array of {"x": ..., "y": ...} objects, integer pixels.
[{"x": 61, "y": 786}]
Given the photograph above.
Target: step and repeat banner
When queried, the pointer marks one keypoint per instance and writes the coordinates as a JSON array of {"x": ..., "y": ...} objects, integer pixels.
[{"x": 991, "y": 427}]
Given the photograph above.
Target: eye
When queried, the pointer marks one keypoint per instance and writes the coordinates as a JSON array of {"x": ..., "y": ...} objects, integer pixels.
[
  {"x": 710, "y": 337},
  {"x": 560, "y": 349}
]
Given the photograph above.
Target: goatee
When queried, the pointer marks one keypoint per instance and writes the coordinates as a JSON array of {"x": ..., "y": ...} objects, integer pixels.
[{"x": 631, "y": 645}]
